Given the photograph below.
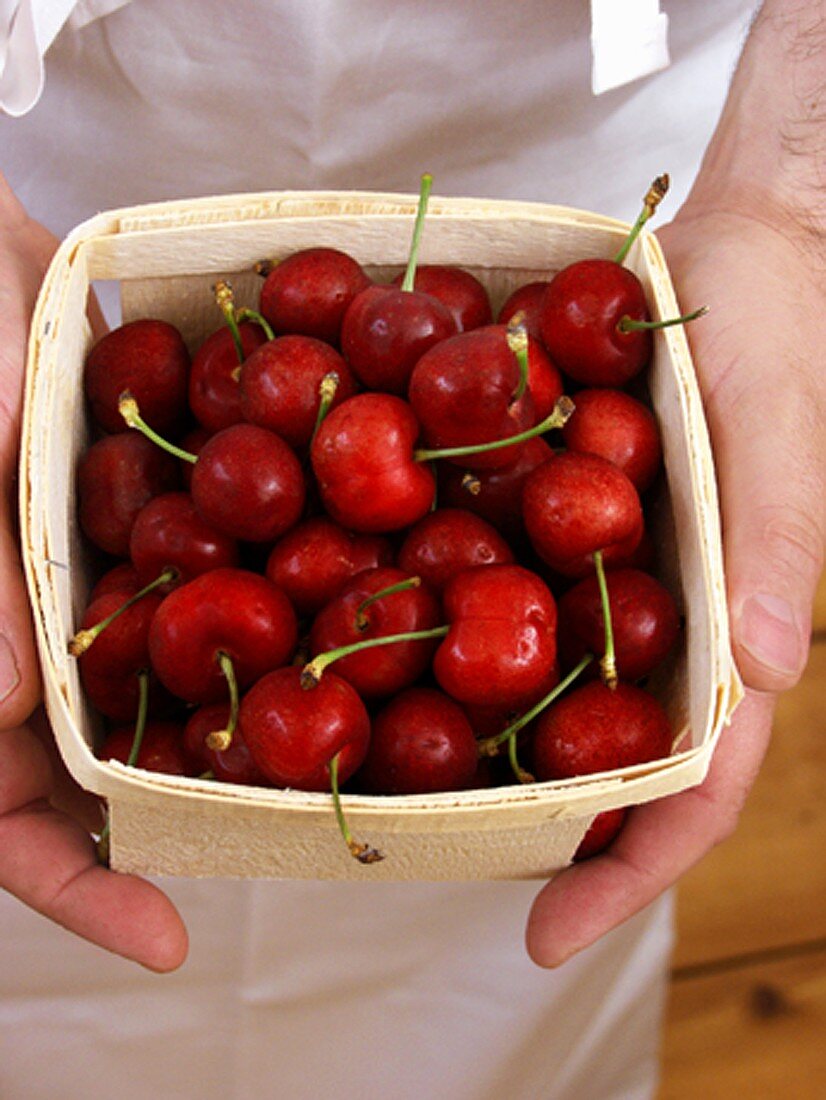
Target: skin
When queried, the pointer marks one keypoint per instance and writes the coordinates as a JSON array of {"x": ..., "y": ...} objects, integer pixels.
[{"x": 758, "y": 198}]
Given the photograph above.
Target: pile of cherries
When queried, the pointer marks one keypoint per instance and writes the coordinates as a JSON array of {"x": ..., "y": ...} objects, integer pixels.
[{"x": 363, "y": 537}]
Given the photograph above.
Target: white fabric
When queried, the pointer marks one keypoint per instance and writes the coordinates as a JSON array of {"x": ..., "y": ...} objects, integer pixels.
[
  {"x": 628, "y": 41},
  {"x": 299, "y": 990}
]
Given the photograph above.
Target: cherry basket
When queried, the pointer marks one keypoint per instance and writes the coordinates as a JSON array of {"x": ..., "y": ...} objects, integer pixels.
[{"x": 165, "y": 258}]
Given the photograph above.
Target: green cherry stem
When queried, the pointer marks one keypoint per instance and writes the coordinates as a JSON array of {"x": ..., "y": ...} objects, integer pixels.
[
  {"x": 556, "y": 419},
  {"x": 608, "y": 662},
  {"x": 247, "y": 314},
  {"x": 409, "y": 281},
  {"x": 362, "y": 621},
  {"x": 326, "y": 396},
  {"x": 362, "y": 852},
  {"x": 220, "y": 740},
  {"x": 653, "y": 197},
  {"x": 517, "y": 337},
  {"x": 128, "y": 409},
  {"x": 313, "y": 671},
  {"x": 629, "y": 324},
  {"x": 84, "y": 638},
  {"x": 225, "y": 300}
]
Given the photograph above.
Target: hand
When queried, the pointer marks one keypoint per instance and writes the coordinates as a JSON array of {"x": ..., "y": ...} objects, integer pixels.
[
  {"x": 757, "y": 355},
  {"x": 47, "y": 855}
]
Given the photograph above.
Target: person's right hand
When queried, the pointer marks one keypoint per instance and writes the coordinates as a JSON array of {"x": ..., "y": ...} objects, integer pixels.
[{"x": 48, "y": 857}]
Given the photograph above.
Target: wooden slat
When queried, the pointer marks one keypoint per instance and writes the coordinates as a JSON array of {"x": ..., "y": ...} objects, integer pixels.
[{"x": 755, "y": 1030}]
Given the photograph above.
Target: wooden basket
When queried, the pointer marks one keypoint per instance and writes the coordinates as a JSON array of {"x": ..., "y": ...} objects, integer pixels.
[{"x": 165, "y": 258}]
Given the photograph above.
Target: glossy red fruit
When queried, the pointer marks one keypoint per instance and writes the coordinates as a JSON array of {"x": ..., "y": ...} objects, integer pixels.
[
  {"x": 458, "y": 290},
  {"x": 526, "y": 300},
  {"x": 280, "y": 385},
  {"x": 214, "y": 387},
  {"x": 170, "y": 532},
  {"x": 644, "y": 616},
  {"x": 382, "y": 670},
  {"x": 580, "y": 317},
  {"x": 149, "y": 359},
  {"x": 232, "y": 765},
  {"x": 309, "y": 292},
  {"x": 463, "y": 393},
  {"x": 613, "y": 424},
  {"x": 248, "y": 483},
  {"x": 116, "y": 477},
  {"x": 605, "y": 827},
  {"x": 362, "y": 457},
  {"x": 122, "y": 648},
  {"x": 576, "y": 504},
  {"x": 312, "y": 562},
  {"x": 120, "y": 578},
  {"x": 294, "y": 732},
  {"x": 447, "y": 541},
  {"x": 501, "y": 647},
  {"x": 421, "y": 742},
  {"x": 118, "y": 697},
  {"x": 596, "y": 728},
  {"x": 162, "y": 748},
  {"x": 227, "y": 611},
  {"x": 544, "y": 380}
]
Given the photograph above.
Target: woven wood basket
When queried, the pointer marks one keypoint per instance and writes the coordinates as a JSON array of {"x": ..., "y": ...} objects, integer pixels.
[{"x": 165, "y": 258}]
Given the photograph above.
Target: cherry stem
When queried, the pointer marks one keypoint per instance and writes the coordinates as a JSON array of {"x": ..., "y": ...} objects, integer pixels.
[
  {"x": 518, "y": 343},
  {"x": 471, "y": 483},
  {"x": 128, "y": 409},
  {"x": 225, "y": 300},
  {"x": 220, "y": 740},
  {"x": 313, "y": 671},
  {"x": 326, "y": 396},
  {"x": 84, "y": 638},
  {"x": 102, "y": 845},
  {"x": 247, "y": 314},
  {"x": 653, "y": 197},
  {"x": 517, "y": 769},
  {"x": 556, "y": 419},
  {"x": 489, "y": 746},
  {"x": 409, "y": 281},
  {"x": 608, "y": 662},
  {"x": 362, "y": 852},
  {"x": 629, "y": 324},
  {"x": 362, "y": 621}
]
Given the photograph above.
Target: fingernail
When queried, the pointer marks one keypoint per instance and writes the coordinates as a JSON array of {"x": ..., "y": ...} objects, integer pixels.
[
  {"x": 9, "y": 672},
  {"x": 769, "y": 632}
]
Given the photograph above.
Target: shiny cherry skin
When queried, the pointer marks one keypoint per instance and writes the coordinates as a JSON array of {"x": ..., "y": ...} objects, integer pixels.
[
  {"x": 576, "y": 504},
  {"x": 312, "y": 562},
  {"x": 309, "y": 292},
  {"x": 382, "y": 670},
  {"x": 362, "y": 457},
  {"x": 604, "y": 829},
  {"x": 230, "y": 611},
  {"x": 527, "y": 300},
  {"x": 148, "y": 358},
  {"x": 248, "y": 483},
  {"x": 501, "y": 646},
  {"x": 458, "y": 290},
  {"x": 214, "y": 388},
  {"x": 614, "y": 424},
  {"x": 231, "y": 765},
  {"x": 294, "y": 732},
  {"x": 169, "y": 532},
  {"x": 122, "y": 577},
  {"x": 280, "y": 385},
  {"x": 421, "y": 742},
  {"x": 579, "y": 323},
  {"x": 162, "y": 748},
  {"x": 122, "y": 649},
  {"x": 447, "y": 541}
]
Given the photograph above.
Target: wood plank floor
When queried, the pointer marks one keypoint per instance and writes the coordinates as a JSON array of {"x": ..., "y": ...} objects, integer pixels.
[{"x": 747, "y": 1008}]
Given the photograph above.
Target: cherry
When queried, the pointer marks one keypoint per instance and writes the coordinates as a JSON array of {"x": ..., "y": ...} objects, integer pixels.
[
  {"x": 169, "y": 532},
  {"x": 280, "y": 385},
  {"x": 313, "y": 560},
  {"x": 120, "y": 578},
  {"x": 214, "y": 389},
  {"x": 447, "y": 541},
  {"x": 309, "y": 292},
  {"x": 161, "y": 748},
  {"x": 362, "y": 457},
  {"x": 113, "y": 639},
  {"x": 225, "y": 615},
  {"x": 525, "y": 302},
  {"x": 600, "y": 833},
  {"x": 147, "y": 357},
  {"x": 421, "y": 742},
  {"x": 613, "y": 424},
  {"x": 404, "y": 606},
  {"x": 459, "y": 291},
  {"x": 577, "y": 504},
  {"x": 119, "y": 697},
  {"x": 644, "y": 617},
  {"x": 597, "y": 729},
  {"x": 116, "y": 477},
  {"x": 231, "y": 765}
]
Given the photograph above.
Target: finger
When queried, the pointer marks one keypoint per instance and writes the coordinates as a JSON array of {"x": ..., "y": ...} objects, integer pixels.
[
  {"x": 660, "y": 841},
  {"x": 49, "y": 862}
]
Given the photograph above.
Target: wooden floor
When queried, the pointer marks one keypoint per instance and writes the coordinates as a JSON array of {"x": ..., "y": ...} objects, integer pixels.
[{"x": 747, "y": 1011}]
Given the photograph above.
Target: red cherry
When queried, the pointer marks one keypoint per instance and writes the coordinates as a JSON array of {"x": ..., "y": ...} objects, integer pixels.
[
  {"x": 362, "y": 457},
  {"x": 447, "y": 541},
  {"x": 214, "y": 390},
  {"x": 421, "y": 742},
  {"x": 526, "y": 300},
  {"x": 192, "y": 443},
  {"x": 169, "y": 532},
  {"x": 460, "y": 292},
  {"x": 313, "y": 560},
  {"x": 248, "y": 483},
  {"x": 294, "y": 732},
  {"x": 226, "y": 611},
  {"x": 118, "y": 697},
  {"x": 162, "y": 748},
  {"x": 148, "y": 358},
  {"x": 120, "y": 578},
  {"x": 597, "y": 729},
  {"x": 602, "y": 830},
  {"x": 122, "y": 648},
  {"x": 309, "y": 292},
  {"x": 231, "y": 765},
  {"x": 617, "y": 426}
]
